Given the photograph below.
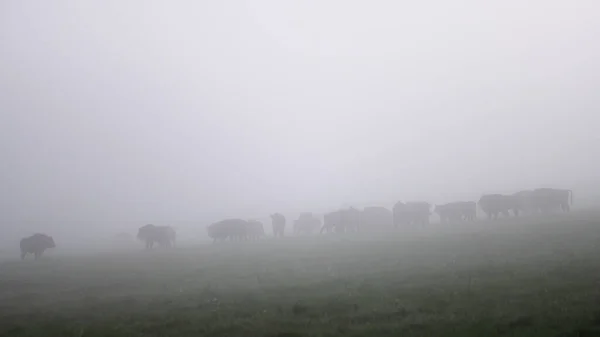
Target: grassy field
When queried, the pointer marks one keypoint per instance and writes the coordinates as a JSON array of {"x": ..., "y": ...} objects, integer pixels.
[{"x": 524, "y": 277}]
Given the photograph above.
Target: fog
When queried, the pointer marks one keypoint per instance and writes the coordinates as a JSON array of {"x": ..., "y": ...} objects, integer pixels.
[{"x": 116, "y": 114}]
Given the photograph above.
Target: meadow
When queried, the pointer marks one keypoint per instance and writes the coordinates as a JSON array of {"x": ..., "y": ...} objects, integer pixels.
[{"x": 531, "y": 276}]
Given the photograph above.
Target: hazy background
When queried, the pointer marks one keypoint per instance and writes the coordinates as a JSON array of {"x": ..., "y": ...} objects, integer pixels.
[{"x": 114, "y": 114}]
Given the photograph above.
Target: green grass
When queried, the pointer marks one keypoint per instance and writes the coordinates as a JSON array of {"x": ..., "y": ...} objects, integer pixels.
[{"x": 525, "y": 277}]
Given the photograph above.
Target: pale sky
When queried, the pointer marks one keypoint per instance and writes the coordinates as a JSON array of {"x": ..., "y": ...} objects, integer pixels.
[{"x": 158, "y": 111}]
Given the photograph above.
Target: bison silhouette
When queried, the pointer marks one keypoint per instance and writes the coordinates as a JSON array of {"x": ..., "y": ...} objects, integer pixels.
[
  {"x": 162, "y": 235},
  {"x": 234, "y": 229},
  {"x": 36, "y": 245},
  {"x": 278, "y": 223}
]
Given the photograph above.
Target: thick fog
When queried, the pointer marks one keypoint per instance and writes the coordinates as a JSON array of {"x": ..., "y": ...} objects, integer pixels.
[{"x": 114, "y": 114}]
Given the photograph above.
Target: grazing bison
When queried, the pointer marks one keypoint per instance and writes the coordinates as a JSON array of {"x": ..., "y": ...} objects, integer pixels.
[
  {"x": 306, "y": 223},
  {"x": 234, "y": 229},
  {"x": 162, "y": 235},
  {"x": 255, "y": 229},
  {"x": 36, "y": 245},
  {"x": 278, "y": 223},
  {"x": 411, "y": 213},
  {"x": 341, "y": 221},
  {"x": 376, "y": 219},
  {"x": 495, "y": 204},
  {"x": 457, "y": 211}
]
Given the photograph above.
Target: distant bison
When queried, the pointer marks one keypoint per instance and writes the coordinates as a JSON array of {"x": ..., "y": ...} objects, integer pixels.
[
  {"x": 550, "y": 199},
  {"x": 411, "y": 213},
  {"x": 496, "y": 204},
  {"x": 255, "y": 229},
  {"x": 525, "y": 202},
  {"x": 307, "y": 223},
  {"x": 543, "y": 200},
  {"x": 229, "y": 228},
  {"x": 457, "y": 211},
  {"x": 36, "y": 245},
  {"x": 162, "y": 235},
  {"x": 376, "y": 219},
  {"x": 341, "y": 221},
  {"x": 278, "y": 223}
]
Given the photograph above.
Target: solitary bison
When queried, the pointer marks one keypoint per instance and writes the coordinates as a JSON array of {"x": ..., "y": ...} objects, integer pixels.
[
  {"x": 162, "y": 235},
  {"x": 36, "y": 245}
]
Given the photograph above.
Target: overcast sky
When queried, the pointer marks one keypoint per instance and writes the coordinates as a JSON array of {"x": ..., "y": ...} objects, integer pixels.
[{"x": 154, "y": 111}]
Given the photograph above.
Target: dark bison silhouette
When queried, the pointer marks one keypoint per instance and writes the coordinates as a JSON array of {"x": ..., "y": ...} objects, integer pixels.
[
  {"x": 228, "y": 228},
  {"x": 278, "y": 223},
  {"x": 162, "y": 235},
  {"x": 36, "y": 245},
  {"x": 495, "y": 204}
]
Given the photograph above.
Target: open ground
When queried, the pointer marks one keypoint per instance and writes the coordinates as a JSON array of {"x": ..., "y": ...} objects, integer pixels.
[{"x": 531, "y": 276}]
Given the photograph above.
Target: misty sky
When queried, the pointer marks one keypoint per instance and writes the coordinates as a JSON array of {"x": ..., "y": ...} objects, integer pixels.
[{"x": 155, "y": 111}]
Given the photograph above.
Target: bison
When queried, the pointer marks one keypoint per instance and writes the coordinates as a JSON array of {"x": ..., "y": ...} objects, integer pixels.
[
  {"x": 496, "y": 204},
  {"x": 376, "y": 219},
  {"x": 411, "y": 213},
  {"x": 36, "y": 245},
  {"x": 255, "y": 229},
  {"x": 525, "y": 202},
  {"x": 278, "y": 223},
  {"x": 341, "y": 221},
  {"x": 306, "y": 223},
  {"x": 234, "y": 229},
  {"x": 162, "y": 235},
  {"x": 457, "y": 211},
  {"x": 550, "y": 199}
]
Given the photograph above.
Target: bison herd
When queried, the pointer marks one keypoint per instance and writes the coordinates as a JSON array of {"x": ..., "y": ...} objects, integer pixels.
[
  {"x": 542, "y": 200},
  {"x": 538, "y": 201}
]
